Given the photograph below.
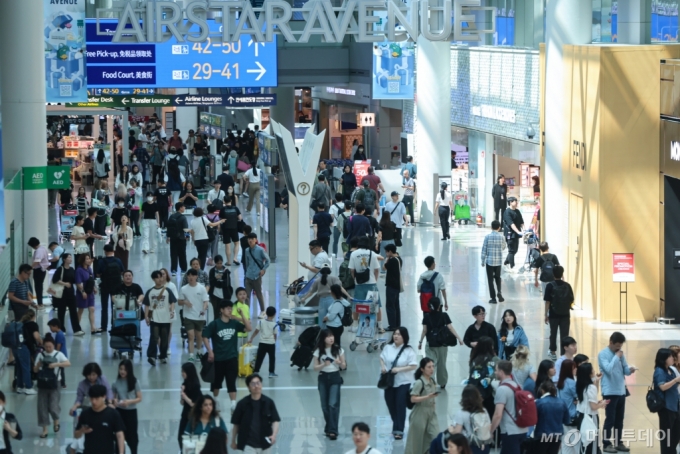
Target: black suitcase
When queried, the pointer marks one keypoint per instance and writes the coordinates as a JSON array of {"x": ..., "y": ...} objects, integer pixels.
[
  {"x": 301, "y": 357},
  {"x": 309, "y": 336}
]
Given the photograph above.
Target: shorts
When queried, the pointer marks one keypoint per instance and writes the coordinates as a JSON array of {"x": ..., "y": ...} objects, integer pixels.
[
  {"x": 230, "y": 236},
  {"x": 196, "y": 325},
  {"x": 226, "y": 370}
]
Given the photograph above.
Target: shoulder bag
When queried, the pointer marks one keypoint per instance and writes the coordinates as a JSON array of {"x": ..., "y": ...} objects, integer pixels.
[
  {"x": 386, "y": 380},
  {"x": 152, "y": 308},
  {"x": 250, "y": 250},
  {"x": 210, "y": 231},
  {"x": 57, "y": 290}
]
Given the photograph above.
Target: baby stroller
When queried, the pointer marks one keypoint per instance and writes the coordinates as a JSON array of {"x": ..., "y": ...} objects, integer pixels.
[{"x": 531, "y": 240}]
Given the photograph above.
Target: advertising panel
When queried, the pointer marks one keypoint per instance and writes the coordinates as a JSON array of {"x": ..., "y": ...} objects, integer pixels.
[
  {"x": 393, "y": 65},
  {"x": 65, "y": 51},
  {"x": 623, "y": 267}
]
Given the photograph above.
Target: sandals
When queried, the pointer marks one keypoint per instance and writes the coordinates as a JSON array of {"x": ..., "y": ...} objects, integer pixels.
[
  {"x": 236, "y": 263},
  {"x": 43, "y": 435},
  {"x": 56, "y": 428},
  {"x": 332, "y": 436}
]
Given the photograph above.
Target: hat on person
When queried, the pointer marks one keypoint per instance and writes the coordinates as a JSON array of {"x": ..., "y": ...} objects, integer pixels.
[{"x": 394, "y": 193}]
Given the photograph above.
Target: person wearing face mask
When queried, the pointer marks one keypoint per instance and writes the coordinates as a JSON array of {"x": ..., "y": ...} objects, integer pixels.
[
  {"x": 136, "y": 176},
  {"x": 360, "y": 155},
  {"x": 151, "y": 223},
  {"x": 118, "y": 212},
  {"x": 231, "y": 195},
  {"x": 134, "y": 203}
]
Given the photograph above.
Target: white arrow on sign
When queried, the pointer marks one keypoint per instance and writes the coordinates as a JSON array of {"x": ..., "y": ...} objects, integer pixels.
[
  {"x": 178, "y": 100},
  {"x": 231, "y": 99},
  {"x": 261, "y": 70},
  {"x": 125, "y": 101},
  {"x": 257, "y": 47}
]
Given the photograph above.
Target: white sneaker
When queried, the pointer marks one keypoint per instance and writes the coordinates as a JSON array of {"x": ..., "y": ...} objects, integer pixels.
[
  {"x": 30, "y": 392},
  {"x": 79, "y": 333},
  {"x": 20, "y": 391},
  {"x": 233, "y": 406}
]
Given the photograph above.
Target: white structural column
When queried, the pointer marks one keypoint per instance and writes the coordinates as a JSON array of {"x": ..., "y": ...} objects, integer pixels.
[
  {"x": 22, "y": 82},
  {"x": 567, "y": 22},
  {"x": 186, "y": 118},
  {"x": 634, "y": 22},
  {"x": 433, "y": 122},
  {"x": 284, "y": 110}
]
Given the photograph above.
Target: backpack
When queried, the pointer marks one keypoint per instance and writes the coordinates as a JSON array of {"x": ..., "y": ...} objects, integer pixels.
[
  {"x": 210, "y": 231},
  {"x": 12, "y": 336},
  {"x": 369, "y": 199},
  {"x": 346, "y": 319},
  {"x": 172, "y": 225},
  {"x": 427, "y": 291},
  {"x": 562, "y": 298},
  {"x": 410, "y": 404},
  {"x": 230, "y": 216},
  {"x": 346, "y": 276},
  {"x": 547, "y": 268},
  {"x": 354, "y": 195},
  {"x": 480, "y": 425},
  {"x": 525, "y": 407},
  {"x": 345, "y": 231},
  {"x": 111, "y": 277},
  {"x": 481, "y": 376},
  {"x": 442, "y": 334},
  {"x": 47, "y": 378}
]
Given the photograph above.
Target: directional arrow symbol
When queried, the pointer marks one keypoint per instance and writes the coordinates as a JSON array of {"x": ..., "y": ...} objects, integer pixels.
[
  {"x": 231, "y": 99},
  {"x": 125, "y": 101},
  {"x": 178, "y": 100},
  {"x": 257, "y": 48},
  {"x": 261, "y": 70}
]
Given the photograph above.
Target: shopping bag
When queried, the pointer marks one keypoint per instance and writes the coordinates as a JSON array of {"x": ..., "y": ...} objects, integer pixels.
[
  {"x": 207, "y": 369},
  {"x": 244, "y": 367},
  {"x": 237, "y": 189}
]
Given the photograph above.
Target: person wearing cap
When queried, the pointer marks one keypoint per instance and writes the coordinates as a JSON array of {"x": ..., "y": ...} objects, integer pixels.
[
  {"x": 397, "y": 212},
  {"x": 216, "y": 192},
  {"x": 500, "y": 196},
  {"x": 443, "y": 207},
  {"x": 514, "y": 224}
]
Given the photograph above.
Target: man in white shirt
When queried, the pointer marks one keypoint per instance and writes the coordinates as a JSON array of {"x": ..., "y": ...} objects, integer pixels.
[
  {"x": 397, "y": 212},
  {"x": 194, "y": 298},
  {"x": 336, "y": 208},
  {"x": 361, "y": 434},
  {"x": 319, "y": 258},
  {"x": 365, "y": 266},
  {"x": 216, "y": 192}
]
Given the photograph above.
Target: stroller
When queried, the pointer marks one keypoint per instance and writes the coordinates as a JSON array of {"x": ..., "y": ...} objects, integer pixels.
[{"x": 531, "y": 240}]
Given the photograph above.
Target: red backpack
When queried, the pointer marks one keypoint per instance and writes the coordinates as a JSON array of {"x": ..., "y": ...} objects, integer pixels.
[{"x": 525, "y": 407}]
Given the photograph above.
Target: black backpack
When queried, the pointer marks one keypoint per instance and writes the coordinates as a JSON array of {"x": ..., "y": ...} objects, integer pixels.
[
  {"x": 442, "y": 335},
  {"x": 346, "y": 319},
  {"x": 481, "y": 374},
  {"x": 562, "y": 298},
  {"x": 47, "y": 378},
  {"x": 369, "y": 199},
  {"x": 174, "y": 232},
  {"x": 230, "y": 216},
  {"x": 111, "y": 277},
  {"x": 547, "y": 268},
  {"x": 410, "y": 404},
  {"x": 12, "y": 335},
  {"x": 345, "y": 231}
]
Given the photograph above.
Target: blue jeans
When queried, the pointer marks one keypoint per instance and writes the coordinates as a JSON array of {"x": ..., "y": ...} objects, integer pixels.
[
  {"x": 329, "y": 394},
  {"x": 510, "y": 444},
  {"x": 477, "y": 450},
  {"x": 395, "y": 398},
  {"x": 23, "y": 367},
  {"x": 336, "y": 237},
  {"x": 324, "y": 304}
]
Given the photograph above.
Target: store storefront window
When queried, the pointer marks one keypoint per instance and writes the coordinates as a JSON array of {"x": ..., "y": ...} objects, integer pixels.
[{"x": 663, "y": 27}]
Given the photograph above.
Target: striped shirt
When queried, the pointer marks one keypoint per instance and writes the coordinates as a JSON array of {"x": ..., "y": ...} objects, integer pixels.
[{"x": 492, "y": 250}]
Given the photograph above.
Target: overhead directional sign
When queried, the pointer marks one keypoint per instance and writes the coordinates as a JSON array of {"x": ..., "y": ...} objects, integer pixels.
[
  {"x": 172, "y": 64},
  {"x": 233, "y": 101},
  {"x": 118, "y": 91}
]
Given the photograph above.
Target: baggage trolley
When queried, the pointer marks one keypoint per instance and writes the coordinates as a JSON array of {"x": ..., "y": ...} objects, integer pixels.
[
  {"x": 531, "y": 240},
  {"x": 297, "y": 289},
  {"x": 129, "y": 339},
  {"x": 367, "y": 330}
]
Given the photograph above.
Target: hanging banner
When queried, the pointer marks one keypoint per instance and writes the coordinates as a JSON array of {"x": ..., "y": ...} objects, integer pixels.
[
  {"x": 65, "y": 65},
  {"x": 393, "y": 64}
]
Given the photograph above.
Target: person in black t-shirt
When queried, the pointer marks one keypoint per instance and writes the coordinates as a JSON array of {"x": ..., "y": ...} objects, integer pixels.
[
  {"x": 232, "y": 216},
  {"x": 514, "y": 224},
  {"x": 162, "y": 196},
  {"x": 322, "y": 226},
  {"x": 151, "y": 223},
  {"x": 433, "y": 321},
  {"x": 131, "y": 292},
  {"x": 255, "y": 419},
  {"x": 392, "y": 265},
  {"x": 225, "y": 179},
  {"x": 88, "y": 226},
  {"x": 101, "y": 425}
]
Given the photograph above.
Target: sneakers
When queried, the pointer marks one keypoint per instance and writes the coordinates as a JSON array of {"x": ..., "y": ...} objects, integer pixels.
[
  {"x": 79, "y": 333},
  {"x": 191, "y": 359},
  {"x": 493, "y": 301},
  {"x": 233, "y": 406},
  {"x": 623, "y": 448},
  {"x": 164, "y": 361},
  {"x": 152, "y": 361},
  {"x": 272, "y": 375},
  {"x": 20, "y": 390},
  {"x": 553, "y": 357},
  {"x": 145, "y": 251},
  {"x": 609, "y": 448},
  {"x": 174, "y": 273},
  {"x": 500, "y": 298},
  {"x": 30, "y": 392}
]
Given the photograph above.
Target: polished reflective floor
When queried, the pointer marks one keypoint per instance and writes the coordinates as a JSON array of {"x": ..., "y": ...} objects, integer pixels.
[{"x": 295, "y": 393}]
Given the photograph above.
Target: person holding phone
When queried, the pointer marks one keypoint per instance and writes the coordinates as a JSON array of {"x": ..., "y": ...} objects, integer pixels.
[
  {"x": 329, "y": 360},
  {"x": 255, "y": 420},
  {"x": 423, "y": 424}
]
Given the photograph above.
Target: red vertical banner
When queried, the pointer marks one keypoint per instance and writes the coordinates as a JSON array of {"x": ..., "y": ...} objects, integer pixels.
[
  {"x": 623, "y": 267},
  {"x": 361, "y": 169}
]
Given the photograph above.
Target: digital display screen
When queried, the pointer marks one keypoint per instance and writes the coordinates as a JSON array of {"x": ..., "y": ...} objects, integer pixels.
[{"x": 178, "y": 65}]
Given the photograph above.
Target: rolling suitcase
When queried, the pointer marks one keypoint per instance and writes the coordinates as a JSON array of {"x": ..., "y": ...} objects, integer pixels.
[{"x": 301, "y": 357}]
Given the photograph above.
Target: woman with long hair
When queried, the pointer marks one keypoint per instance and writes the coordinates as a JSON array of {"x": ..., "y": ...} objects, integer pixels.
[
  {"x": 101, "y": 201},
  {"x": 566, "y": 391},
  {"x": 423, "y": 425},
  {"x": 471, "y": 402},
  {"x": 546, "y": 371},
  {"x": 216, "y": 443},
  {"x": 189, "y": 394},
  {"x": 135, "y": 201},
  {"x": 123, "y": 176},
  {"x": 100, "y": 165},
  {"x": 252, "y": 183},
  {"x": 204, "y": 416},
  {"x": 81, "y": 202},
  {"x": 666, "y": 387},
  {"x": 174, "y": 179},
  {"x": 443, "y": 207},
  {"x": 49, "y": 366},
  {"x": 123, "y": 237},
  {"x": 348, "y": 181},
  {"x": 126, "y": 395},
  {"x": 523, "y": 371},
  {"x": 189, "y": 196},
  {"x": 433, "y": 322},
  {"x": 321, "y": 288},
  {"x": 231, "y": 194},
  {"x": 400, "y": 359},
  {"x": 588, "y": 403},
  {"x": 510, "y": 336},
  {"x": 65, "y": 276},
  {"x": 553, "y": 415},
  {"x": 388, "y": 230},
  {"x": 336, "y": 310},
  {"x": 85, "y": 290},
  {"x": 458, "y": 444},
  {"x": 483, "y": 361},
  {"x": 136, "y": 175},
  {"x": 78, "y": 234},
  {"x": 329, "y": 360}
]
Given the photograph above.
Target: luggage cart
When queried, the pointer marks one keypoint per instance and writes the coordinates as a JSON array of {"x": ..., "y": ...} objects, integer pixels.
[
  {"x": 531, "y": 240},
  {"x": 296, "y": 290},
  {"x": 367, "y": 330},
  {"x": 128, "y": 343}
]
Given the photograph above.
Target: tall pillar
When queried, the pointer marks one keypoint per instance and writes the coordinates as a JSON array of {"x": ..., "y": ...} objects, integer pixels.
[
  {"x": 433, "y": 122},
  {"x": 22, "y": 82},
  {"x": 284, "y": 110},
  {"x": 567, "y": 22},
  {"x": 634, "y": 22},
  {"x": 186, "y": 118},
  {"x": 95, "y": 127}
]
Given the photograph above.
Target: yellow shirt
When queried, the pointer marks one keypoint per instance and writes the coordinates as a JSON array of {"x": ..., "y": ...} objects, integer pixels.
[{"x": 246, "y": 313}]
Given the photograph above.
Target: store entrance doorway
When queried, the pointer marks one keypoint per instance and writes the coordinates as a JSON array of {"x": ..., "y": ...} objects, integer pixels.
[
  {"x": 575, "y": 270},
  {"x": 671, "y": 242}
]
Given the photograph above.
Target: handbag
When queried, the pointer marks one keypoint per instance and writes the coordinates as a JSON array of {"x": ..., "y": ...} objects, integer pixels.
[
  {"x": 57, "y": 290},
  {"x": 386, "y": 380},
  {"x": 588, "y": 429},
  {"x": 210, "y": 231},
  {"x": 242, "y": 166}
]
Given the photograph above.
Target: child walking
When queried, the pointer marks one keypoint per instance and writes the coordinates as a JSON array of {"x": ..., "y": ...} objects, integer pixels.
[
  {"x": 60, "y": 343},
  {"x": 267, "y": 346}
]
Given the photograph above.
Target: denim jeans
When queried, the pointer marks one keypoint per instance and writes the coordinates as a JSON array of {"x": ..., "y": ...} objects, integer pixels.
[
  {"x": 395, "y": 398},
  {"x": 329, "y": 394},
  {"x": 510, "y": 444},
  {"x": 336, "y": 238},
  {"x": 23, "y": 367}
]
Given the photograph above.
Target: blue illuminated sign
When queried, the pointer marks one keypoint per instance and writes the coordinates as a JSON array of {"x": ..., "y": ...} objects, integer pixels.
[{"x": 178, "y": 65}]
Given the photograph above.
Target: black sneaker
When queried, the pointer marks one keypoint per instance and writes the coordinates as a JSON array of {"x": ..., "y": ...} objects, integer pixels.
[
  {"x": 152, "y": 361},
  {"x": 493, "y": 301},
  {"x": 500, "y": 298}
]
